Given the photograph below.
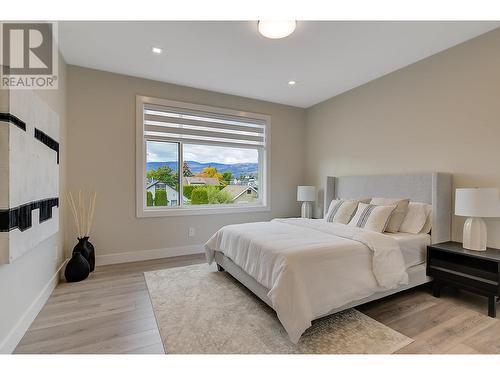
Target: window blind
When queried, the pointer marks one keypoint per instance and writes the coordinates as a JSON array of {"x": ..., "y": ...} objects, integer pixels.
[{"x": 192, "y": 126}]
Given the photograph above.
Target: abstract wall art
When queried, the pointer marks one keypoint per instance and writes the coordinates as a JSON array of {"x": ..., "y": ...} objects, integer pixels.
[{"x": 29, "y": 173}]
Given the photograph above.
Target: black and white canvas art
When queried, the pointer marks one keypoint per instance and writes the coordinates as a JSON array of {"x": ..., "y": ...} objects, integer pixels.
[{"x": 29, "y": 173}]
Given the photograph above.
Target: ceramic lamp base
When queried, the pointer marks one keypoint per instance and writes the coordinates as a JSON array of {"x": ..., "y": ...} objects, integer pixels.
[
  {"x": 306, "y": 211},
  {"x": 474, "y": 234}
]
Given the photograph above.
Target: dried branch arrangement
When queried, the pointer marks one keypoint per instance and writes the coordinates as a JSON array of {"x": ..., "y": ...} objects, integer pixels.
[{"x": 82, "y": 209}]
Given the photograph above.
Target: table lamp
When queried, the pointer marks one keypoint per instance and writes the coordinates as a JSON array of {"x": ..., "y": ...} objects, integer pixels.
[
  {"x": 306, "y": 194},
  {"x": 476, "y": 203}
]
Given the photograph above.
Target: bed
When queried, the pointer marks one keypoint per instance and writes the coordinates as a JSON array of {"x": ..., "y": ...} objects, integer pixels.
[{"x": 307, "y": 269}]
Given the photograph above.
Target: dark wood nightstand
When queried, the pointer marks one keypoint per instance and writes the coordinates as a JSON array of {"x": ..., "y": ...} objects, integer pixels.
[{"x": 476, "y": 271}]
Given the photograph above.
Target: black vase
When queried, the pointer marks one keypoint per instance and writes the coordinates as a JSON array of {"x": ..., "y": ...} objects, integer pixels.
[
  {"x": 77, "y": 268},
  {"x": 91, "y": 259},
  {"x": 85, "y": 248}
]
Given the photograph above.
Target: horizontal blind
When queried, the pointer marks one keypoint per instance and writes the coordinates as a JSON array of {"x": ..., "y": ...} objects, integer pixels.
[{"x": 192, "y": 126}]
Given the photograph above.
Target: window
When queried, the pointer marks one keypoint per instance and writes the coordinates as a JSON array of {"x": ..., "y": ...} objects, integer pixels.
[{"x": 194, "y": 159}]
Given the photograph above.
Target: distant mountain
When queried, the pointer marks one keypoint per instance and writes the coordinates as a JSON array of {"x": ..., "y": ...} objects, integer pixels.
[{"x": 195, "y": 167}]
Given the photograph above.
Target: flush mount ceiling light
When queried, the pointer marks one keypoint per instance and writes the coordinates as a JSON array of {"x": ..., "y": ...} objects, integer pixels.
[
  {"x": 276, "y": 29},
  {"x": 291, "y": 83},
  {"x": 156, "y": 50}
]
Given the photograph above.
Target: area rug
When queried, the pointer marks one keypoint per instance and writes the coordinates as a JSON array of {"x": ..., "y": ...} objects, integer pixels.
[{"x": 199, "y": 310}]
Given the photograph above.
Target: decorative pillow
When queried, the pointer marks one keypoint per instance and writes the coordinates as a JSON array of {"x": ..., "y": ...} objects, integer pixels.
[
  {"x": 399, "y": 213},
  {"x": 415, "y": 218},
  {"x": 428, "y": 223},
  {"x": 372, "y": 217},
  {"x": 341, "y": 211}
]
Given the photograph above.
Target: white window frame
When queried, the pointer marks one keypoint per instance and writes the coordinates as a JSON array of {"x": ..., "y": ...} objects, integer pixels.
[{"x": 264, "y": 165}]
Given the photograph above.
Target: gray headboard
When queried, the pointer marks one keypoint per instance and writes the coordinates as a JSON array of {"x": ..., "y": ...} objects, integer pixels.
[{"x": 432, "y": 188}]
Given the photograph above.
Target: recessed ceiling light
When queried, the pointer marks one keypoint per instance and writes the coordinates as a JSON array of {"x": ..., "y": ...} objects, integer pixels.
[
  {"x": 291, "y": 83},
  {"x": 276, "y": 29},
  {"x": 157, "y": 50}
]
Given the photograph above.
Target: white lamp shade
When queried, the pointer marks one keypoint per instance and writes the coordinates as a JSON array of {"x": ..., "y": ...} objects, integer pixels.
[
  {"x": 306, "y": 193},
  {"x": 477, "y": 202}
]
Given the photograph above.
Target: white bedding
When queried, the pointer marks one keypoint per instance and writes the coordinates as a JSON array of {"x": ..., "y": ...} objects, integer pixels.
[
  {"x": 311, "y": 266},
  {"x": 413, "y": 247}
]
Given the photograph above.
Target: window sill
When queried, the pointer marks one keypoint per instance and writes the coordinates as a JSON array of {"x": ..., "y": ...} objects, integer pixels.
[{"x": 188, "y": 211}]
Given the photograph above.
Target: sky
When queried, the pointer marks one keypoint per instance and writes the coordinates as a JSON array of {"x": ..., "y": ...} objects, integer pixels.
[{"x": 162, "y": 151}]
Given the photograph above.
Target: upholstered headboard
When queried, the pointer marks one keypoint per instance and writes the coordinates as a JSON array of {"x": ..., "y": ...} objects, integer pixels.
[{"x": 432, "y": 188}]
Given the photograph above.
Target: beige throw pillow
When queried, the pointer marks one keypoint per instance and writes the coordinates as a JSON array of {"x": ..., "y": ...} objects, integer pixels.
[
  {"x": 372, "y": 217},
  {"x": 399, "y": 213},
  {"x": 341, "y": 211},
  {"x": 416, "y": 217}
]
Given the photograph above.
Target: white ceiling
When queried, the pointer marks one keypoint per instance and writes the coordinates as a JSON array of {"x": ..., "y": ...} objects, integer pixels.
[{"x": 325, "y": 58}]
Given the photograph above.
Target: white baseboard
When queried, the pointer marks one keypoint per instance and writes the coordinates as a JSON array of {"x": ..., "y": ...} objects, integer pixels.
[
  {"x": 8, "y": 345},
  {"x": 137, "y": 256}
]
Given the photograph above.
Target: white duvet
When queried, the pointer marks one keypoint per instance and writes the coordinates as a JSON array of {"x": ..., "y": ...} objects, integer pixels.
[{"x": 311, "y": 266}]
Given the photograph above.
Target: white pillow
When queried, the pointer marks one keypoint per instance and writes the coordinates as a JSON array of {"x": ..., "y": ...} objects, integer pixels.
[
  {"x": 415, "y": 218},
  {"x": 428, "y": 222},
  {"x": 399, "y": 213},
  {"x": 372, "y": 217},
  {"x": 341, "y": 211}
]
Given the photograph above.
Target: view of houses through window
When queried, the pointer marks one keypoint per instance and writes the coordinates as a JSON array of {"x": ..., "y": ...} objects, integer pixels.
[{"x": 210, "y": 175}]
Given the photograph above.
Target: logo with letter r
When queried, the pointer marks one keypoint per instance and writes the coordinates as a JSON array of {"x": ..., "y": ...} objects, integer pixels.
[{"x": 27, "y": 49}]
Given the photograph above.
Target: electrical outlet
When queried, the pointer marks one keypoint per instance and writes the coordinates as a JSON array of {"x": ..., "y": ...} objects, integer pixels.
[{"x": 191, "y": 232}]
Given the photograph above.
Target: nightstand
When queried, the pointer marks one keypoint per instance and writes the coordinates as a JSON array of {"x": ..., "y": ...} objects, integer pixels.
[{"x": 476, "y": 271}]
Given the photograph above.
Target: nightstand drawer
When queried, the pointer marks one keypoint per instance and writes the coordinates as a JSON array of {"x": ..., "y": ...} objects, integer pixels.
[
  {"x": 481, "y": 268},
  {"x": 483, "y": 286},
  {"x": 478, "y": 274}
]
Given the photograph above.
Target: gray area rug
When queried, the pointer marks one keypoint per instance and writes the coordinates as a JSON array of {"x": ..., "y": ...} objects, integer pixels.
[{"x": 199, "y": 310}]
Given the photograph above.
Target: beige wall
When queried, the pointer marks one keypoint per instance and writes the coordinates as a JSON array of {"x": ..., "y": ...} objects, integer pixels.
[
  {"x": 101, "y": 147},
  {"x": 439, "y": 114},
  {"x": 23, "y": 281}
]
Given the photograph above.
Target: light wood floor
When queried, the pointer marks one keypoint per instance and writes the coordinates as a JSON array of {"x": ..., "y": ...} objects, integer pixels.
[
  {"x": 456, "y": 323},
  {"x": 110, "y": 312}
]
